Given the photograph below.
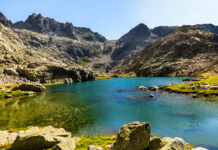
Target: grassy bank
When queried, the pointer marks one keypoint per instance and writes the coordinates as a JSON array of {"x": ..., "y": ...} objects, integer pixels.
[
  {"x": 6, "y": 91},
  {"x": 205, "y": 86},
  {"x": 101, "y": 141},
  {"x": 107, "y": 76}
]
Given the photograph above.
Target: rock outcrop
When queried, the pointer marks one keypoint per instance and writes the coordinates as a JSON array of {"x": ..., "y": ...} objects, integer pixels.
[
  {"x": 44, "y": 138},
  {"x": 30, "y": 87},
  {"x": 132, "y": 136},
  {"x": 42, "y": 58}
]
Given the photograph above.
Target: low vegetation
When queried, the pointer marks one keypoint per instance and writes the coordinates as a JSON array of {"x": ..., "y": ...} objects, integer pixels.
[
  {"x": 101, "y": 141},
  {"x": 107, "y": 76},
  {"x": 6, "y": 92},
  {"x": 206, "y": 86}
]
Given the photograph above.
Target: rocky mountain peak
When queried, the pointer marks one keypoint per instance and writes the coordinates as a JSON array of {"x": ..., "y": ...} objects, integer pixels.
[
  {"x": 49, "y": 26},
  {"x": 140, "y": 30},
  {"x": 163, "y": 31},
  {"x": 4, "y": 20}
]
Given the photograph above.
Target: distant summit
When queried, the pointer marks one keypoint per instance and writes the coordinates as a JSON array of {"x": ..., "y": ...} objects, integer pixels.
[
  {"x": 4, "y": 20},
  {"x": 45, "y": 25}
]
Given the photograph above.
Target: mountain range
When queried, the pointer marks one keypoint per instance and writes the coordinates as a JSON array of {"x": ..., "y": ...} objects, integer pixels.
[{"x": 45, "y": 50}]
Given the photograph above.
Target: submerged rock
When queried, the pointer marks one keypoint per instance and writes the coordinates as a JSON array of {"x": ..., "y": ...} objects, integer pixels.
[
  {"x": 133, "y": 136},
  {"x": 151, "y": 96}
]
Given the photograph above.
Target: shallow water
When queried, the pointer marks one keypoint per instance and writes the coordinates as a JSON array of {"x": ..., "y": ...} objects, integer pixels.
[{"x": 102, "y": 107}]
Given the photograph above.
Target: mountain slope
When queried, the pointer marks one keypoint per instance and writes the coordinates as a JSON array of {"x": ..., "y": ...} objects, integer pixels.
[
  {"x": 28, "y": 56},
  {"x": 188, "y": 51}
]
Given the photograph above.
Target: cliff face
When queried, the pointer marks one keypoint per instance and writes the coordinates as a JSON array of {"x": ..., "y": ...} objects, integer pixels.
[{"x": 188, "y": 51}]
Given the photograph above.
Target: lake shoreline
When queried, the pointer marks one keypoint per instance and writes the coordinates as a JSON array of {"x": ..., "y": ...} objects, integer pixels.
[{"x": 60, "y": 139}]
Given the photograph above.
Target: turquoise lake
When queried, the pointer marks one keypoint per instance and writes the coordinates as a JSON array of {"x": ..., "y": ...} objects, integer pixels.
[{"x": 102, "y": 107}]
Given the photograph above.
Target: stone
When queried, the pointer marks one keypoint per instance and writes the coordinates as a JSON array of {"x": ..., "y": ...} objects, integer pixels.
[
  {"x": 66, "y": 144},
  {"x": 40, "y": 138},
  {"x": 155, "y": 143},
  {"x": 175, "y": 144},
  {"x": 132, "y": 136},
  {"x": 154, "y": 88},
  {"x": 7, "y": 138},
  {"x": 93, "y": 147},
  {"x": 11, "y": 72},
  {"x": 31, "y": 87},
  {"x": 151, "y": 96},
  {"x": 142, "y": 88}
]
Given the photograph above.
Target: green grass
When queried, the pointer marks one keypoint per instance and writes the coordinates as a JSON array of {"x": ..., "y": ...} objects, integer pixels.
[
  {"x": 191, "y": 87},
  {"x": 101, "y": 141},
  {"x": 8, "y": 91}
]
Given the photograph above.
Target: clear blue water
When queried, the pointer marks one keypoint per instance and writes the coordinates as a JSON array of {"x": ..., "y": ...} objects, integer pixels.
[{"x": 99, "y": 107}]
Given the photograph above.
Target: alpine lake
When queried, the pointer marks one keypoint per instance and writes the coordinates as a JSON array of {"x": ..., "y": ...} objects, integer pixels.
[{"x": 101, "y": 107}]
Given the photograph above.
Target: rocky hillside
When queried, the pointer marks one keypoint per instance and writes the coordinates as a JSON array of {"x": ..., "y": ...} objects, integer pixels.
[
  {"x": 29, "y": 56},
  {"x": 42, "y": 40},
  {"x": 188, "y": 51}
]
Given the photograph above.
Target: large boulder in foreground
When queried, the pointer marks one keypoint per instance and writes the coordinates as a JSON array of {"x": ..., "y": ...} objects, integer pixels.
[
  {"x": 133, "y": 136},
  {"x": 42, "y": 138},
  {"x": 31, "y": 87}
]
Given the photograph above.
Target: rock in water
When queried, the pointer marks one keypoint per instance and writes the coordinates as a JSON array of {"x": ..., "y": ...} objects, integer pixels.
[
  {"x": 31, "y": 87},
  {"x": 41, "y": 138},
  {"x": 133, "y": 136},
  {"x": 142, "y": 88},
  {"x": 151, "y": 96}
]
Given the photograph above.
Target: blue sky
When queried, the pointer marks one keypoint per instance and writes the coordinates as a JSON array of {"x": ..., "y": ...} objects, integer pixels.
[{"x": 113, "y": 18}]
